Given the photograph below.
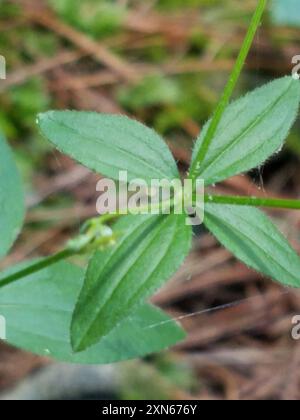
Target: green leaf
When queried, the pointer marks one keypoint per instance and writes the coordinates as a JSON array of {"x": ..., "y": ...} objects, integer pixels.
[
  {"x": 251, "y": 130},
  {"x": 43, "y": 326},
  {"x": 110, "y": 143},
  {"x": 121, "y": 278},
  {"x": 11, "y": 199},
  {"x": 251, "y": 236}
]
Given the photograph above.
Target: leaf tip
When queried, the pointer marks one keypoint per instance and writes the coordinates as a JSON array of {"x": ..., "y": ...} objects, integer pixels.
[
  {"x": 79, "y": 342},
  {"x": 40, "y": 117},
  {"x": 76, "y": 344},
  {"x": 43, "y": 116}
]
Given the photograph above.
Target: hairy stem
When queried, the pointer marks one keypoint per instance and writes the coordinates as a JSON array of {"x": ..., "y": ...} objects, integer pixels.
[
  {"x": 253, "y": 201},
  {"x": 196, "y": 166},
  {"x": 74, "y": 247},
  {"x": 208, "y": 198}
]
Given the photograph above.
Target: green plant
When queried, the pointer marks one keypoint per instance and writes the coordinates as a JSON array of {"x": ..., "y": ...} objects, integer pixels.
[
  {"x": 97, "y": 18},
  {"x": 133, "y": 256}
]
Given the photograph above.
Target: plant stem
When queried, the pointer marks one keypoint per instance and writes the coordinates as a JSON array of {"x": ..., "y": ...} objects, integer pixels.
[
  {"x": 208, "y": 198},
  {"x": 194, "y": 170},
  {"x": 35, "y": 267},
  {"x": 72, "y": 247},
  {"x": 253, "y": 201}
]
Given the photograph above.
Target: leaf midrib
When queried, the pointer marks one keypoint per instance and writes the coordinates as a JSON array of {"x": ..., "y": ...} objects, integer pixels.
[
  {"x": 256, "y": 244},
  {"x": 244, "y": 133},
  {"x": 110, "y": 297},
  {"x": 141, "y": 256},
  {"x": 109, "y": 146},
  {"x": 218, "y": 175}
]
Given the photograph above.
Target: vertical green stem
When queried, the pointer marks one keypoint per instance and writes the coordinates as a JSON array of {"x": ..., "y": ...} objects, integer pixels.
[{"x": 194, "y": 171}]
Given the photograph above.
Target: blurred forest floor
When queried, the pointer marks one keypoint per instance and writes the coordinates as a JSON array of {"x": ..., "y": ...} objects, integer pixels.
[{"x": 164, "y": 62}]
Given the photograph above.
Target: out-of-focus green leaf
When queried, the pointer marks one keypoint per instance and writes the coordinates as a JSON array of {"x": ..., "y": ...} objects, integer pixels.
[
  {"x": 97, "y": 18},
  {"x": 43, "y": 327},
  {"x": 153, "y": 90},
  {"x": 11, "y": 199},
  {"x": 286, "y": 12}
]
